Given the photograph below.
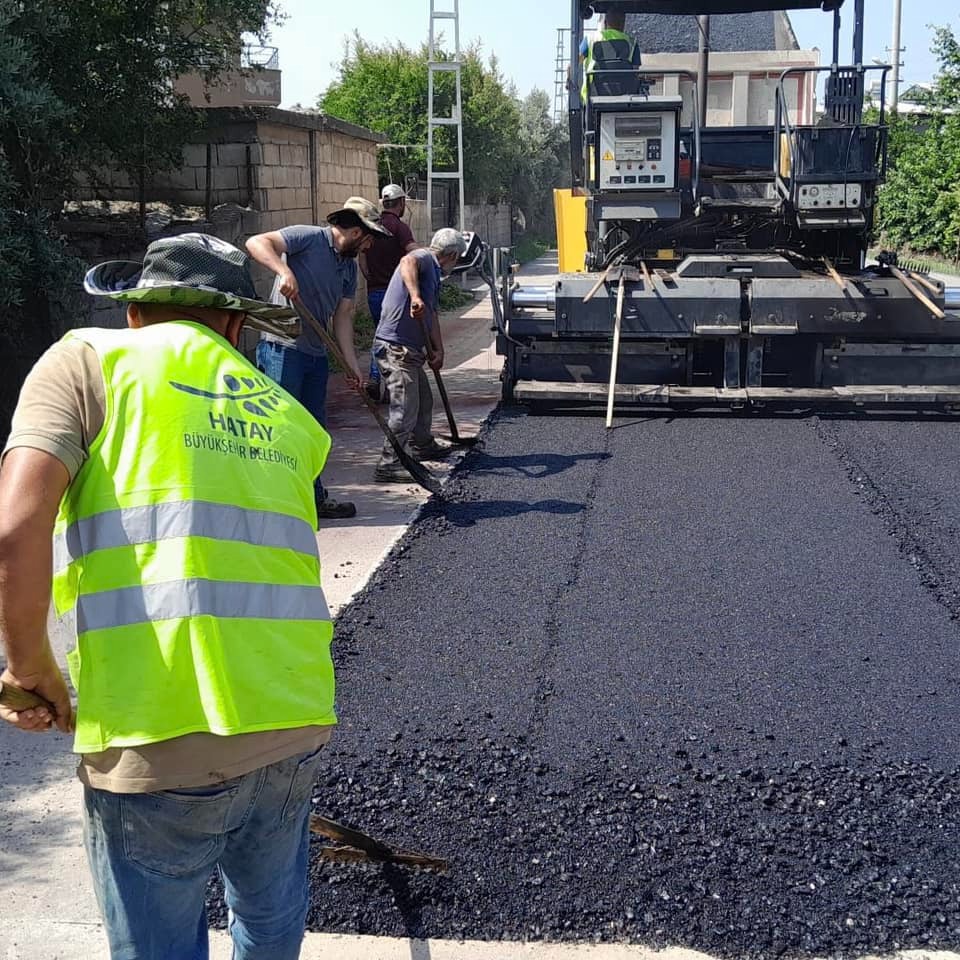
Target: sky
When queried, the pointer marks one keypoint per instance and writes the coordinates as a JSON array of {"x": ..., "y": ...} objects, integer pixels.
[{"x": 523, "y": 35}]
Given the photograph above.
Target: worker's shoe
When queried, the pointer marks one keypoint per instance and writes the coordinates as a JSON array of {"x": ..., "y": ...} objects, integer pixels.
[
  {"x": 431, "y": 451},
  {"x": 330, "y": 509},
  {"x": 392, "y": 473}
]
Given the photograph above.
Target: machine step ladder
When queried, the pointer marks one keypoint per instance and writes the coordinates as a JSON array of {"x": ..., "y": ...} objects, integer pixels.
[{"x": 437, "y": 65}]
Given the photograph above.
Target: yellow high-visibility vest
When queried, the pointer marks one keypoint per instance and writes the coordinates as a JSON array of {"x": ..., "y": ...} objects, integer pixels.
[
  {"x": 185, "y": 552},
  {"x": 589, "y": 64}
]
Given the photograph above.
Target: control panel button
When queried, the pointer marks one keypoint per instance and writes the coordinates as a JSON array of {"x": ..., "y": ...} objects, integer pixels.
[
  {"x": 660, "y": 179},
  {"x": 616, "y": 179},
  {"x": 629, "y": 179}
]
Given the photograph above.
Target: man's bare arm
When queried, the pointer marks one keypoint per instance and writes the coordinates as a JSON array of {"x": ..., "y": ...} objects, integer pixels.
[
  {"x": 343, "y": 331},
  {"x": 410, "y": 274},
  {"x": 32, "y": 483},
  {"x": 268, "y": 249}
]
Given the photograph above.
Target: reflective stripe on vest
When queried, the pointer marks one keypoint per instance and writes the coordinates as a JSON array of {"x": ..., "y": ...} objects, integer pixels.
[
  {"x": 199, "y": 598},
  {"x": 185, "y": 549},
  {"x": 189, "y": 518}
]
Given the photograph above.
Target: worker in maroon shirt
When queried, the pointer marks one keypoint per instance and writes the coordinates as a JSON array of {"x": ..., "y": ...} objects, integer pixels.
[{"x": 379, "y": 263}]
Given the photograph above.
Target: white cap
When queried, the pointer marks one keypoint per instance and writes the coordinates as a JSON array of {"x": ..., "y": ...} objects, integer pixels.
[{"x": 392, "y": 192}]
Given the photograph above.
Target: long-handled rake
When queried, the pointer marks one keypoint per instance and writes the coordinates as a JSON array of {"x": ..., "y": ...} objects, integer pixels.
[
  {"x": 357, "y": 846},
  {"x": 416, "y": 469},
  {"x": 454, "y": 437}
]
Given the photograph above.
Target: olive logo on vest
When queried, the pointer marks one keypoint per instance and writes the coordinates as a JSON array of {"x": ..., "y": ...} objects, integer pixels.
[
  {"x": 256, "y": 395},
  {"x": 235, "y": 435}
]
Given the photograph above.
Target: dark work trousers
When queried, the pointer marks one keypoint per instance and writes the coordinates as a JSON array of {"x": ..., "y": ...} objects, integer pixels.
[{"x": 411, "y": 402}]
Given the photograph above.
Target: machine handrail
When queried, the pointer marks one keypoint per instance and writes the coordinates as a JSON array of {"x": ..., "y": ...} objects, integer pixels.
[
  {"x": 666, "y": 72},
  {"x": 782, "y": 112}
]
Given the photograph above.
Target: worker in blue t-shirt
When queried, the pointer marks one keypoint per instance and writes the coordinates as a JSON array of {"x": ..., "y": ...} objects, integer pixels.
[
  {"x": 321, "y": 268},
  {"x": 407, "y": 337}
]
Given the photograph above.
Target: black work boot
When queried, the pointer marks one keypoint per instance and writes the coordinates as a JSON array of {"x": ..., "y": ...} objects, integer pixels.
[
  {"x": 329, "y": 509},
  {"x": 431, "y": 450},
  {"x": 392, "y": 473}
]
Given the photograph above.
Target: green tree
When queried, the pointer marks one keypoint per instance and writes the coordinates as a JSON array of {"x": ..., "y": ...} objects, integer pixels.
[
  {"x": 83, "y": 85},
  {"x": 384, "y": 88},
  {"x": 544, "y": 164},
  {"x": 920, "y": 203}
]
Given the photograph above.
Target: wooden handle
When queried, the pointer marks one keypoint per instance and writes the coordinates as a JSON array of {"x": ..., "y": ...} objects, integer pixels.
[
  {"x": 16, "y": 698},
  {"x": 615, "y": 352},
  {"x": 597, "y": 285},
  {"x": 918, "y": 293},
  {"x": 832, "y": 270},
  {"x": 416, "y": 469},
  {"x": 925, "y": 281}
]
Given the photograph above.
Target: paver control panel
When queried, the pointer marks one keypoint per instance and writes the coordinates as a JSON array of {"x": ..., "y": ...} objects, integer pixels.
[{"x": 638, "y": 151}]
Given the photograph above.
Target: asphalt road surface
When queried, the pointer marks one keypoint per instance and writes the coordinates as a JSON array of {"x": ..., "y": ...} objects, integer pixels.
[{"x": 692, "y": 681}]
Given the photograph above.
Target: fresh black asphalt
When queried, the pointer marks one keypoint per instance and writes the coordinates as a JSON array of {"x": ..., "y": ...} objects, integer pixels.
[{"x": 692, "y": 681}]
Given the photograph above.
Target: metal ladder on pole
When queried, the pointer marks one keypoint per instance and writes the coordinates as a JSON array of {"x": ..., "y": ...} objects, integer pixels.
[
  {"x": 436, "y": 66},
  {"x": 560, "y": 75}
]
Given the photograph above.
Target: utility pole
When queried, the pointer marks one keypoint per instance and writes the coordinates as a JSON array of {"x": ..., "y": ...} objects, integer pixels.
[{"x": 895, "y": 74}]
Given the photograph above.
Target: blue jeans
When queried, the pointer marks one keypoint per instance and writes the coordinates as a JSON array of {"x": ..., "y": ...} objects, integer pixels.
[
  {"x": 302, "y": 375},
  {"x": 151, "y": 855},
  {"x": 375, "y": 303}
]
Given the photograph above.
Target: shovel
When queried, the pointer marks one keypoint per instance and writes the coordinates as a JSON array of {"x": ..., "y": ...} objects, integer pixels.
[
  {"x": 454, "y": 437},
  {"x": 416, "y": 469},
  {"x": 358, "y": 846}
]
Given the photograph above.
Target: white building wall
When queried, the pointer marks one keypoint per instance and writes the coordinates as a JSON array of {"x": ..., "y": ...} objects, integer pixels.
[{"x": 742, "y": 85}]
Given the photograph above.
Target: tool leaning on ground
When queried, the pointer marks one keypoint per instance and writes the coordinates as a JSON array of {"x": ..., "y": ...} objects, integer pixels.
[
  {"x": 358, "y": 847},
  {"x": 416, "y": 469},
  {"x": 454, "y": 437}
]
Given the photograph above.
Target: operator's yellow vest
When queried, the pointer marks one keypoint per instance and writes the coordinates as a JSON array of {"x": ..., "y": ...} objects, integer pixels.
[
  {"x": 185, "y": 549},
  {"x": 589, "y": 64}
]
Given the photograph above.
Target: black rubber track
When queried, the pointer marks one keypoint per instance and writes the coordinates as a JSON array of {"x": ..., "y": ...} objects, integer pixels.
[{"x": 692, "y": 682}]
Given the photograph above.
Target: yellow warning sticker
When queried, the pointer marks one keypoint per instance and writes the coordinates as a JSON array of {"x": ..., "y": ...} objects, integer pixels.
[{"x": 608, "y": 156}]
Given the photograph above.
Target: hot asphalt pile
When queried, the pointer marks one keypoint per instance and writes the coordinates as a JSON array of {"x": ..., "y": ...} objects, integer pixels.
[{"x": 690, "y": 682}]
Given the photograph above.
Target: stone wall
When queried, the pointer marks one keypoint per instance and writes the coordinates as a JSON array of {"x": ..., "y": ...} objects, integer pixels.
[{"x": 253, "y": 170}]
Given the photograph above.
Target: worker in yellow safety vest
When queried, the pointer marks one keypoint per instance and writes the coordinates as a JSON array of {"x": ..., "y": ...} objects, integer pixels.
[
  {"x": 614, "y": 25},
  {"x": 166, "y": 487}
]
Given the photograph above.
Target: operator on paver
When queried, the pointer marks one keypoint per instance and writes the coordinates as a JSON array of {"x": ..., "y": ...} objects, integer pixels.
[
  {"x": 166, "y": 487},
  {"x": 614, "y": 26},
  {"x": 378, "y": 264},
  {"x": 410, "y": 307},
  {"x": 321, "y": 268}
]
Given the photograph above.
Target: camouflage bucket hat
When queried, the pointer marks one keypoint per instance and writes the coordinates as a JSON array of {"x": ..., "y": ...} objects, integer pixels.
[{"x": 190, "y": 270}]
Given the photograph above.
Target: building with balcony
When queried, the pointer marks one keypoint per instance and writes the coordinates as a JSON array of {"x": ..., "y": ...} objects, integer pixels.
[{"x": 254, "y": 83}]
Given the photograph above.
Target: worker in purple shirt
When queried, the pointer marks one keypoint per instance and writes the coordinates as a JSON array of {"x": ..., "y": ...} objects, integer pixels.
[{"x": 379, "y": 263}]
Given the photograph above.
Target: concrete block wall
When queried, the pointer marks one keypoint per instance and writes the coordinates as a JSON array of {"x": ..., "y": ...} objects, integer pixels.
[
  {"x": 280, "y": 168},
  {"x": 494, "y": 222}
]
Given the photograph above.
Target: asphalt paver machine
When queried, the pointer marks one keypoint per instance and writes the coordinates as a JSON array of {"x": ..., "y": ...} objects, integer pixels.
[{"x": 725, "y": 264}]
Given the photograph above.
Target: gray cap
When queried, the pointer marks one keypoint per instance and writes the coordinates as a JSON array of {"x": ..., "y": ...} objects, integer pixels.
[{"x": 393, "y": 191}]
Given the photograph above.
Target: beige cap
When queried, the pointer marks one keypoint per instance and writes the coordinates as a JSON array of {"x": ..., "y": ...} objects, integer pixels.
[{"x": 357, "y": 212}]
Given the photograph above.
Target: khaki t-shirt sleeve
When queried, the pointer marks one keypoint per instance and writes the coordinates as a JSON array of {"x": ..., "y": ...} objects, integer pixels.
[{"x": 61, "y": 406}]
